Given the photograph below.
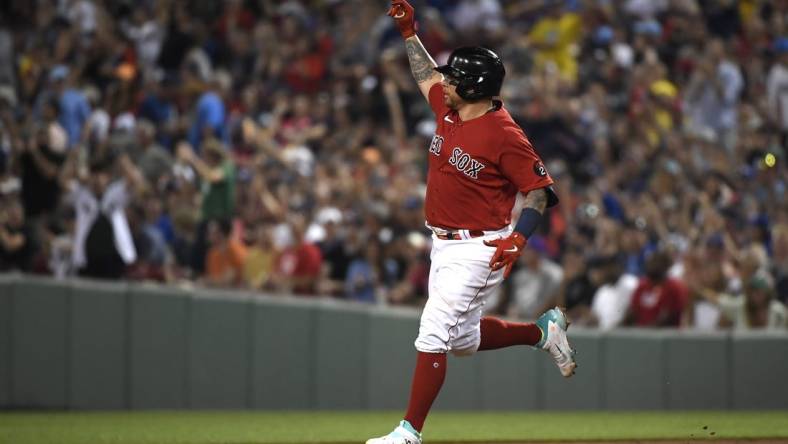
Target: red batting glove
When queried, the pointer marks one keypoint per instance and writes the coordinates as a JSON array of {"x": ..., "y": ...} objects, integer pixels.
[
  {"x": 404, "y": 17},
  {"x": 507, "y": 251}
]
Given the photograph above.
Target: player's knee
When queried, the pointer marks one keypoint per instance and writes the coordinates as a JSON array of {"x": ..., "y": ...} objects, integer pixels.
[
  {"x": 466, "y": 348},
  {"x": 463, "y": 352},
  {"x": 430, "y": 344}
]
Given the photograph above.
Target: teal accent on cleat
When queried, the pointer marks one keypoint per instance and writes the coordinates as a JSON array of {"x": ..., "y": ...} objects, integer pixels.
[
  {"x": 403, "y": 434},
  {"x": 553, "y": 325}
]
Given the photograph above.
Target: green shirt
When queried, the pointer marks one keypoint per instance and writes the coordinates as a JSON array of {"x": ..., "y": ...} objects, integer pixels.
[{"x": 218, "y": 199}]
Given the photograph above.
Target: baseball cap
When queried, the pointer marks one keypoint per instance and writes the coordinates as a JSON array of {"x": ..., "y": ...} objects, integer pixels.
[{"x": 59, "y": 72}]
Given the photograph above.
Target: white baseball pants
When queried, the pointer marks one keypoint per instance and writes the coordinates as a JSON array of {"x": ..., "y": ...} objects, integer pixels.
[{"x": 460, "y": 283}]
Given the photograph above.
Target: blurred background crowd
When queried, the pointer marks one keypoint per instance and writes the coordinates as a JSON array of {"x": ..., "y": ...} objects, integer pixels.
[{"x": 280, "y": 146}]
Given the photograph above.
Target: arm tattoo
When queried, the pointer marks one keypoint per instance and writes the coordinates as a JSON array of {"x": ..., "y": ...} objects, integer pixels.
[
  {"x": 421, "y": 63},
  {"x": 536, "y": 199}
]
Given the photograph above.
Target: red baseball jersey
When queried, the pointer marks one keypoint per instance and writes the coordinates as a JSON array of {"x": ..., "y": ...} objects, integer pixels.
[{"x": 477, "y": 167}]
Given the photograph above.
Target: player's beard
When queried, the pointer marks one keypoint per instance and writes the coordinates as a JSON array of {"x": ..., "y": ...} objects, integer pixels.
[{"x": 451, "y": 101}]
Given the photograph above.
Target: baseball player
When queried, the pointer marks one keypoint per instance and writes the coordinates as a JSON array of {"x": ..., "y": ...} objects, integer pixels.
[{"x": 479, "y": 160}]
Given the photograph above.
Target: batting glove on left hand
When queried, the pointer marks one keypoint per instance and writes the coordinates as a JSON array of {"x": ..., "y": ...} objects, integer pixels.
[
  {"x": 507, "y": 251},
  {"x": 404, "y": 17}
]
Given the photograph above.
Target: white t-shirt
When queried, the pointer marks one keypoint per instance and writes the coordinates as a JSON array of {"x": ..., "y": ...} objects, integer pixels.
[{"x": 611, "y": 301}]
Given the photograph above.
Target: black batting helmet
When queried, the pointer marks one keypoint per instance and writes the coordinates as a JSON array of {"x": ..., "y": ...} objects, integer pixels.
[{"x": 478, "y": 72}]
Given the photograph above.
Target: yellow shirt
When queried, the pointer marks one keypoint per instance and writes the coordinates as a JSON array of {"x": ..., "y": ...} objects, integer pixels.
[
  {"x": 556, "y": 38},
  {"x": 257, "y": 267}
]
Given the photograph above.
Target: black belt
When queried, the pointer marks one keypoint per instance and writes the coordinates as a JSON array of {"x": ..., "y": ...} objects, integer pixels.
[{"x": 455, "y": 235}]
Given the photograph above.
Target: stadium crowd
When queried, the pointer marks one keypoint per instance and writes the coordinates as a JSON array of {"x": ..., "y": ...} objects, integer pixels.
[{"x": 280, "y": 146}]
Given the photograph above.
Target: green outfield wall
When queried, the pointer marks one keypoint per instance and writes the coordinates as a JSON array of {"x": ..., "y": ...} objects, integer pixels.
[{"x": 80, "y": 344}]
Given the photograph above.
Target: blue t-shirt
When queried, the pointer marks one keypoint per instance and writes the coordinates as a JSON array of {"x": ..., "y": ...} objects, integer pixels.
[
  {"x": 74, "y": 112},
  {"x": 210, "y": 113},
  {"x": 360, "y": 281}
]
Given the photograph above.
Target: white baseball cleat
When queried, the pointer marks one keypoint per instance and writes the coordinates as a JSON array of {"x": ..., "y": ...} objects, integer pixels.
[
  {"x": 403, "y": 434},
  {"x": 553, "y": 324}
]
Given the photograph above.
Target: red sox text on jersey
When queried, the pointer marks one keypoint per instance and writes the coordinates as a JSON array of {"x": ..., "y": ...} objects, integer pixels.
[{"x": 460, "y": 159}]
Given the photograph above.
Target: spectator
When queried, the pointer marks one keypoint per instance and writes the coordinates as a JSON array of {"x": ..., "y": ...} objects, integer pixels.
[
  {"x": 363, "y": 275},
  {"x": 576, "y": 292},
  {"x": 470, "y": 16},
  {"x": 96, "y": 130},
  {"x": 705, "y": 281},
  {"x": 152, "y": 159},
  {"x": 224, "y": 264},
  {"x": 7, "y": 75},
  {"x": 713, "y": 95},
  {"x": 40, "y": 161},
  {"x": 780, "y": 261},
  {"x": 73, "y": 106},
  {"x": 614, "y": 291},
  {"x": 298, "y": 266},
  {"x": 756, "y": 309},
  {"x": 147, "y": 33},
  {"x": 777, "y": 88},
  {"x": 217, "y": 174},
  {"x": 658, "y": 300},
  {"x": 154, "y": 228},
  {"x": 209, "y": 116},
  {"x": 337, "y": 251},
  {"x": 553, "y": 37},
  {"x": 535, "y": 282},
  {"x": 217, "y": 171},
  {"x": 260, "y": 258},
  {"x": 16, "y": 238},
  {"x": 103, "y": 244}
]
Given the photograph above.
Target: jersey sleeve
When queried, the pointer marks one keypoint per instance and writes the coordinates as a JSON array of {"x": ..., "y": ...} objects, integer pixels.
[
  {"x": 436, "y": 100},
  {"x": 521, "y": 165}
]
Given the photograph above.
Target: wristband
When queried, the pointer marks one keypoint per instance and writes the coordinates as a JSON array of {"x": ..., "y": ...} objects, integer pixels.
[{"x": 529, "y": 220}]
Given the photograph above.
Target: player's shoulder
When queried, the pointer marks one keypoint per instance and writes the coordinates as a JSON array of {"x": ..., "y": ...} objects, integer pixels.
[{"x": 511, "y": 132}]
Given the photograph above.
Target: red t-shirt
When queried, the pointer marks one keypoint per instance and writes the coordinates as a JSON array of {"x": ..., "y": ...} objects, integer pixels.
[
  {"x": 477, "y": 167},
  {"x": 304, "y": 260},
  {"x": 649, "y": 301}
]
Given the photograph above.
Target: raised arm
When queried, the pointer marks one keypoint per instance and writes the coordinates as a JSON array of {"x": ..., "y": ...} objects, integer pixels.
[{"x": 421, "y": 64}]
